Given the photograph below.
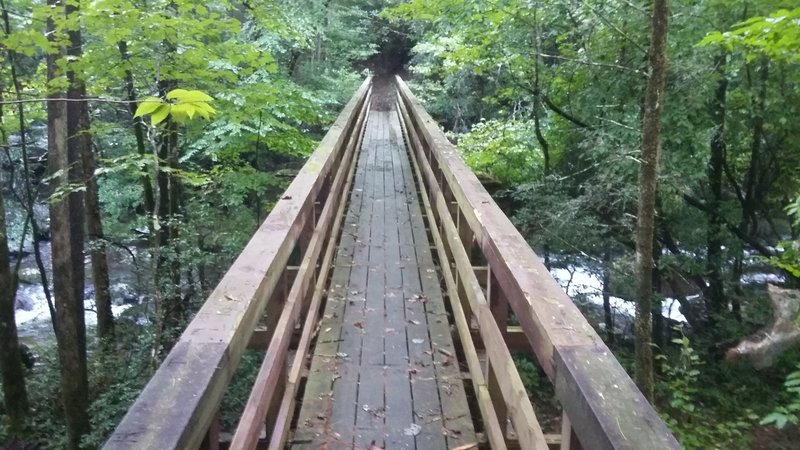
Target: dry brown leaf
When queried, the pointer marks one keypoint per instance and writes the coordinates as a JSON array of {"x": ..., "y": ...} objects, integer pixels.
[{"x": 467, "y": 446}]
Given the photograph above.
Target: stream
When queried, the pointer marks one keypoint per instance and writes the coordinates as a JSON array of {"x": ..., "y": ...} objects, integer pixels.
[
  {"x": 581, "y": 282},
  {"x": 32, "y": 313}
]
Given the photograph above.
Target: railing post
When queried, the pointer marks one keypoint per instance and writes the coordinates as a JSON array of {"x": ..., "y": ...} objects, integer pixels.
[
  {"x": 499, "y": 308},
  {"x": 497, "y": 302},
  {"x": 211, "y": 441},
  {"x": 500, "y": 407},
  {"x": 274, "y": 409},
  {"x": 569, "y": 441},
  {"x": 275, "y": 305}
]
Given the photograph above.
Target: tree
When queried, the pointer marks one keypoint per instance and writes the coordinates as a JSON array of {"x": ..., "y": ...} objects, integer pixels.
[
  {"x": 648, "y": 178},
  {"x": 67, "y": 222},
  {"x": 12, "y": 374}
]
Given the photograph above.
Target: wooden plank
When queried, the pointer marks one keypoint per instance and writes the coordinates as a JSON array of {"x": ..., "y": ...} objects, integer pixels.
[
  {"x": 485, "y": 405},
  {"x": 514, "y": 337},
  {"x": 551, "y": 321},
  {"x": 568, "y": 440},
  {"x": 427, "y": 406},
  {"x": 171, "y": 415},
  {"x": 211, "y": 441},
  {"x": 514, "y": 394},
  {"x": 316, "y": 411},
  {"x": 263, "y": 393},
  {"x": 331, "y": 404},
  {"x": 286, "y": 411}
]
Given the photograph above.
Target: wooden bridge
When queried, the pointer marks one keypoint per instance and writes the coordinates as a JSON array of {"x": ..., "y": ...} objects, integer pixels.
[{"x": 381, "y": 288}]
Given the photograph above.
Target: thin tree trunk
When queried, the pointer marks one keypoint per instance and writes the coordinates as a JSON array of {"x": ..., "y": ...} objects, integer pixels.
[
  {"x": 138, "y": 131},
  {"x": 748, "y": 222},
  {"x": 543, "y": 144},
  {"x": 659, "y": 328},
  {"x": 99, "y": 257},
  {"x": 30, "y": 198},
  {"x": 648, "y": 176},
  {"x": 716, "y": 165},
  {"x": 12, "y": 374},
  {"x": 168, "y": 272},
  {"x": 66, "y": 218},
  {"x": 608, "y": 313},
  {"x": 80, "y": 137}
]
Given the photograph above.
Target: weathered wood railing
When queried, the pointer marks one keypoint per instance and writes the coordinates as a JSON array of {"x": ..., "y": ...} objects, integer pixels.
[
  {"x": 602, "y": 407},
  {"x": 178, "y": 407}
]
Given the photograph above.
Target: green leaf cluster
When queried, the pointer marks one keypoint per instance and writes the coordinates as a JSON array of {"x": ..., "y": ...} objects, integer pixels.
[{"x": 184, "y": 105}]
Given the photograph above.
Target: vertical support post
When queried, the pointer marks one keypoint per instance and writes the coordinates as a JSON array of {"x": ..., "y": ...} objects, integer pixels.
[
  {"x": 569, "y": 441},
  {"x": 274, "y": 409},
  {"x": 465, "y": 233},
  {"x": 498, "y": 303},
  {"x": 211, "y": 441},
  {"x": 496, "y": 395},
  {"x": 275, "y": 304}
]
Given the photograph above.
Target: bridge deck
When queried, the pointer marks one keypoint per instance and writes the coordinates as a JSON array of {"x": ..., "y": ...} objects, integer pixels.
[{"x": 383, "y": 373}]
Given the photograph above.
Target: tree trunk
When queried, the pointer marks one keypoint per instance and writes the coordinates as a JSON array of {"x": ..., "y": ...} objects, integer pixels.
[
  {"x": 139, "y": 132},
  {"x": 12, "y": 374},
  {"x": 79, "y": 137},
  {"x": 648, "y": 176},
  {"x": 716, "y": 165},
  {"x": 608, "y": 313},
  {"x": 94, "y": 227},
  {"x": 543, "y": 144},
  {"x": 749, "y": 198},
  {"x": 659, "y": 326},
  {"x": 66, "y": 218},
  {"x": 168, "y": 274},
  {"x": 30, "y": 197}
]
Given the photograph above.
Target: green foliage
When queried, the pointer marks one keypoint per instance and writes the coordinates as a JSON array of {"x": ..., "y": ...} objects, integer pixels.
[
  {"x": 116, "y": 378},
  {"x": 790, "y": 412},
  {"x": 184, "y": 105},
  {"x": 239, "y": 390},
  {"x": 776, "y": 35},
  {"x": 688, "y": 418},
  {"x": 272, "y": 74},
  {"x": 788, "y": 258},
  {"x": 501, "y": 150}
]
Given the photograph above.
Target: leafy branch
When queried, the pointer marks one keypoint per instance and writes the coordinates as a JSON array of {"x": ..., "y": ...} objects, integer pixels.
[{"x": 180, "y": 104}]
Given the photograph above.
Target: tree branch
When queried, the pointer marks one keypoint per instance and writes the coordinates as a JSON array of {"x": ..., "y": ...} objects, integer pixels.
[{"x": 736, "y": 231}]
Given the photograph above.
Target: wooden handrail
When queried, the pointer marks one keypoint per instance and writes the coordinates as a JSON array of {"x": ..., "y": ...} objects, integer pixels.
[
  {"x": 180, "y": 402},
  {"x": 603, "y": 405}
]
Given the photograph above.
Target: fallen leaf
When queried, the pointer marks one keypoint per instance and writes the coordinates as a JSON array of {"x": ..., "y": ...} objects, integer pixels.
[
  {"x": 444, "y": 352},
  {"x": 418, "y": 298},
  {"x": 418, "y": 340},
  {"x": 412, "y": 430}
]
